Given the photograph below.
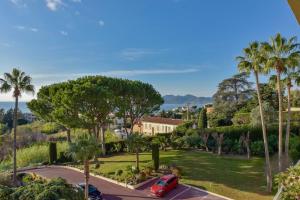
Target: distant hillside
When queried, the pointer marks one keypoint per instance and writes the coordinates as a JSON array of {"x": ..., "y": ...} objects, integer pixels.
[{"x": 177, "y": 99}]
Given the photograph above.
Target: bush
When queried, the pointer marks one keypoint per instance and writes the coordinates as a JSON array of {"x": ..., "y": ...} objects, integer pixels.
[
  {"x": 52, "y": 152},
  {"x": 257, "y": 148},
  {"x": 5, "y": 192},
  {"x": 140, "y": 177},
  {"x": 55, "y": 189},
  {"x": 5, "y": 179},
  {"x": 119, "y": 172},
  {"x": 241, "y": 119},
  {"x": 36, "y": 154},
  {"x": 51, "y": 128},
  {"x": 294, "y": 151},
  {"x": 3, "y": 129},
  {"x": 176, "y": 171},
  {"x": 290, "y": 182},
  {"x": 115, "y": 147},
  {"x": 193, "y": 140},
  {"x": 155, "y": 156}
]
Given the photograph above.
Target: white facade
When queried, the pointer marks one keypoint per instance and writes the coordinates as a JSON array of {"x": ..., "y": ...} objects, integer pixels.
[{"x": 151, "y": 128}]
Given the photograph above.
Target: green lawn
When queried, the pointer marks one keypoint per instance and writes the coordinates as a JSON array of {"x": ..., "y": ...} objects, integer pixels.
[{"x": 232, "y": 177}]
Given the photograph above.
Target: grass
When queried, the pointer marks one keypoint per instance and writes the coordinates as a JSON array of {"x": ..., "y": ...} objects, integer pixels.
[
  {"x": 32, "y": 155},
  {"x": 236, "y": 178}
]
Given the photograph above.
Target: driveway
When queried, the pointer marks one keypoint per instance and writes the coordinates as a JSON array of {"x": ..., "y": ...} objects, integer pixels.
[{"x": 113, "y": 191}]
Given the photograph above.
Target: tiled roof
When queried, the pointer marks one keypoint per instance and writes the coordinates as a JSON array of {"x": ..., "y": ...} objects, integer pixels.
[{"x": 161, "y": 120}]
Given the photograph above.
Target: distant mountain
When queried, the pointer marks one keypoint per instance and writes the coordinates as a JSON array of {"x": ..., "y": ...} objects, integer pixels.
[{"x": 177, "y": 99}]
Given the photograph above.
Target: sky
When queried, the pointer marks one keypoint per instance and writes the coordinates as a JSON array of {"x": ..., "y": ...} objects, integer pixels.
[{"x": 179, "y": 46}]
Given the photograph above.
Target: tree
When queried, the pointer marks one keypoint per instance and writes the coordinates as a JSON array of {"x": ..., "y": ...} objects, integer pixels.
[
  {"x": 269, "y": 114},
  {"x": 291, "y": 75},
  {"x": 2, "y": 113},
  {"x": 135, "y": 142},
  {"x": 295, "y": 98},
  {"x": 50, "y": 106},
  {"x": 135, "y": 99},
  {"x": 233, "y": 93},
  {"x": 281, "y": 54},
  {"x": 18, "y": 82},
  {"x": 253, "y": 61},
  {"x": 202, "y": 122},
  {"x": 84, "y": 148}
]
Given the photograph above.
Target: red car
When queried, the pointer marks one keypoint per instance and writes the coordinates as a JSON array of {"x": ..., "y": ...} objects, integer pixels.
[{"x": 164, "y": 184}]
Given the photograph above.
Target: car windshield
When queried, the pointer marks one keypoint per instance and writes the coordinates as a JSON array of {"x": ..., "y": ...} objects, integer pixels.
[
  {"x": 91, "y": 188},
  {"x": 161, "y": 183}
]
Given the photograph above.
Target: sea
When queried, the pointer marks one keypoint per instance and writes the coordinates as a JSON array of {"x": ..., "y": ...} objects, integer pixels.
[{"x": 23, "y": 106}]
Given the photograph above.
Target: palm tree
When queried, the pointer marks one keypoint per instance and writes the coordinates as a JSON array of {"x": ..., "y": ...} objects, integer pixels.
[
  {"x": 253, "y": 61},
  {"x": 281, "y": 53},
  {"x": 17, "y": 82},
  {"x": 84, "y": 148},
  {"x": 291, "y": 76},
  {"x": 135, "y": 141}
]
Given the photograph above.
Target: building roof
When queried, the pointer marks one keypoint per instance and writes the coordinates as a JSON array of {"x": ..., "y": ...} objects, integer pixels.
[{"x": 161, "y": 120}]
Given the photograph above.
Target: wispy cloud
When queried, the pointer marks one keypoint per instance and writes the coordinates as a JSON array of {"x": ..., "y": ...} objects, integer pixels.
[
  {"x": 76, "y": 1},
  {"x": 53, "y": 5},
  {"x": 5, "y": 44},
  {"x": 21, "y": 28},
  {"x": 116, "y": 73},
  {"x": 19, "y": 3},
  {"x": 101, "y": 23},
  {"x": 34, "y": 29},
  {"x": 136, "y": 53},
  {"x": 64, "y": 33}
]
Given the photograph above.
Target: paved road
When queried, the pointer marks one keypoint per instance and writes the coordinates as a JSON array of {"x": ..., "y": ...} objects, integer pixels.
[{"x": 112, "y": 191}]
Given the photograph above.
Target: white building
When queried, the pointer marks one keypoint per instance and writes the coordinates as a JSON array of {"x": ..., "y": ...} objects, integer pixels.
[{"x": 154, "y": 125}]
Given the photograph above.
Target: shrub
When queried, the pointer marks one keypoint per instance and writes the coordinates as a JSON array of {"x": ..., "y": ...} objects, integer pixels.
[
  {"x": 290, "y": 182},
  {"x": 52, "y": 152},
  {"x": 119, "y": 172},
  {"x": 5, "y": 192},
  {"x": 176, "y": 171},
  {"x": 257, "y": 148},
  {"x": 193, "y": 140},
  {"x": 50, "y": 128},
  {"x": 5, "y": 179},
  {"x": 140, "y": 177},
  {"x": 241, "y": 119},
  {"x": 36, "y": 154},
  {"x": 294, "y": 151},
  {"x": 155, "y": 156}
]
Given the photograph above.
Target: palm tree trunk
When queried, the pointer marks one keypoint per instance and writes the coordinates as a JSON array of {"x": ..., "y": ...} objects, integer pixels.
[
  {"x": 15, "y": 141},
  {"x": 265, "y": 138},
  {"x": 288, "y": 125},
  {"x": 87, "y": 176},
  {"x": 279, "y": 122},
  {"x": 137, "y": 159}
]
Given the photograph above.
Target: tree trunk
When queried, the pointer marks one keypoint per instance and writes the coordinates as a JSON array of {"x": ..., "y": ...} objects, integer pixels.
[
  {"x": 103, "y": 141},
  {"x": 86, "y": 176},
  {"x": 247, "y": 143},
  {"x": 265, "y": 138},
  {"x": 15, "y": 141},
  {"x": 288, "y": 125},
  {"x": 69, "y": 135},
  {"x": 137, "y": 159},
  {"x": 279, "y": 122},
  {"x": 220, "y": 141}
]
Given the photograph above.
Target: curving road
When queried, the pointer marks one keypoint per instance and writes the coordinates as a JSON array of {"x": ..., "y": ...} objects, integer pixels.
[{"x": 112, "y": 191}]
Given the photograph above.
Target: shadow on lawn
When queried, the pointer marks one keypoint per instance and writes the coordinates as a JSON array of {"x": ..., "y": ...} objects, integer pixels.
[{"x": 240, "y": 174}]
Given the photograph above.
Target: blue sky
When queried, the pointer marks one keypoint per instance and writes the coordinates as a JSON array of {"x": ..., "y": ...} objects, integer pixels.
[{"x": 179, "y": 46}]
